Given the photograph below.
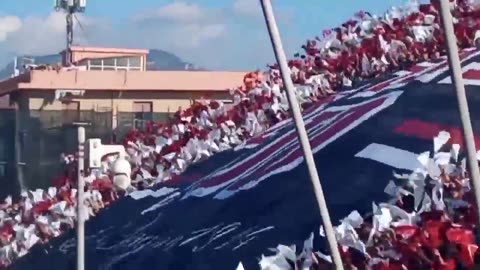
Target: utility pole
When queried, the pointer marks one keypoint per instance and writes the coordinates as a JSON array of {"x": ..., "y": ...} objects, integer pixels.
[
  {"x": 19, "y": 141},
  {"x": 80, "y": 200},
  {"x": 301, "y": 131},
  {"x": 70, "y": 7},
  {"x": 457, "y": 79},
  {"x": 69, "y": 36}
]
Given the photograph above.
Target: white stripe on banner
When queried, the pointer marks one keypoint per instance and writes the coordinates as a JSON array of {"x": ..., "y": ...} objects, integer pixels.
[
  {"x": 365, "y": 94},
  {"x": 430, "y": 76},
  {"x": 427, "y": 64},
  {"x": 471, "y": 66},
  {"x": 391, "y": 156},
  {"x": 402, "y": 73}
]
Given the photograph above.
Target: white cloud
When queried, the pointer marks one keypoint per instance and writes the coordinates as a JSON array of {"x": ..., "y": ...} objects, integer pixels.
[
  {"x": 37, "y": 34},
  {"x": 185, "y": 25},
  {"x": 194, "y": 35},
  {"x": 248, "y": 7},
  {"x": 176, "y": 12},
  {"x": 9, "y": 24},
  {"x": 209, "y": 37}
]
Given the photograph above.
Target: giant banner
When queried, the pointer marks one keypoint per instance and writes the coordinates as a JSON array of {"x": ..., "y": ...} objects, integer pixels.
[{"x": 237, "y": 204}]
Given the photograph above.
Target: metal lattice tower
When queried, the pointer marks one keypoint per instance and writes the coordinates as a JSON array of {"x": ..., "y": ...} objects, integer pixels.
[{"x": 70, "y": 7}]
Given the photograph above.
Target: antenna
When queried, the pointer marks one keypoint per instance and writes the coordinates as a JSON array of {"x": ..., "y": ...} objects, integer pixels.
[
  {"x": 16, "y": 71},
  {"x": 81, "y": 27},
  {"x": 70, "y": 7},
  {"x": 15, "y": 67}
]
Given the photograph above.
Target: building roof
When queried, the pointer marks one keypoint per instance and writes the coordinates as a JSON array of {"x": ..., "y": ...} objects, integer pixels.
[
  {"x": 123, "y": 80},
  {"x": 108, "y": 50}
]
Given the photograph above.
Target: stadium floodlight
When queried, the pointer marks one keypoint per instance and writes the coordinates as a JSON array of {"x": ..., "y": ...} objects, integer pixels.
[
  {"x": 457, "y": 79},
  {"x": 301, "y": 131}
]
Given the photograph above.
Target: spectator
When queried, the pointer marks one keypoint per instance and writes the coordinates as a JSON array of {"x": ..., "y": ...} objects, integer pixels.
[{"x": 362, "y": 48}]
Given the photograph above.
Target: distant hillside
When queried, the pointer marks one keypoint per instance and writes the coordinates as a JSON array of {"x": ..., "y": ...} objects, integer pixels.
[
  {"x": 162, "y": 60},
  {"x": 156, "y": 60},
  {"x": 7, "y": 71}
]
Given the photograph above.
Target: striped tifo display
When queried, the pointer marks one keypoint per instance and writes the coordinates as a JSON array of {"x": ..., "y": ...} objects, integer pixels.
[{"x": 237, "y": 204}]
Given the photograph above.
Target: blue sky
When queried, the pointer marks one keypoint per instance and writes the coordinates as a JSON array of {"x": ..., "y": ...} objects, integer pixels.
[{"x": 217, "y": 34}]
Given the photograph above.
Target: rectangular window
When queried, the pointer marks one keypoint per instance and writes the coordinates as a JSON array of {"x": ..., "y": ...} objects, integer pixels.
[
  {"x": 134, "y": 61},
  {"x": 71, "y": 112},
  {"x": 71, "y": 106},
  {"x": 143, "y": 110},
  {"x": 109, "y": 62},
  {"x": 95, "y": 62},
  {"x": 162, "y": 117},
  {"x": 122, "y": 62}
]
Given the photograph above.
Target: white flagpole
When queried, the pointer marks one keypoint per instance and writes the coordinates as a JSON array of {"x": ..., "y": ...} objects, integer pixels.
[
  {"x": 457, "y": 78},
  {"x": 80, "y": 201},
  {"x": 301, "y": 131}
]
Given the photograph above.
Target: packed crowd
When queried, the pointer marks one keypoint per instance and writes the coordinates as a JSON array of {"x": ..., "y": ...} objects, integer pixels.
[
  {"x": 430, "y": 224},
  {"x": 360, "y": 49},
  {"x": 363, "y": 48},
  {"x": 40, "y": 215}
]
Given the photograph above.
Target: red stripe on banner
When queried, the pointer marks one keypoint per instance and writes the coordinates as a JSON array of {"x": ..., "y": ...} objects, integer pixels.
[
  {"x": 380, "y": 86},
  {"x": 427, "y": 130},
  {"x": 182, "y": 179},
  {"x": 472, "y": 74},
  {"x": 416, "y": 68},
  {"x": 256, "y": 140}
]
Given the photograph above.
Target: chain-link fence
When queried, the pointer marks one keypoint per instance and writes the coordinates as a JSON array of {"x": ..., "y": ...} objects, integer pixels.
[
  {"x": 30, "y": 151},
  {"x": 31, "y": 144},
  {"x": 128, "y": 121},
  {"x": 7, "y": 152}
]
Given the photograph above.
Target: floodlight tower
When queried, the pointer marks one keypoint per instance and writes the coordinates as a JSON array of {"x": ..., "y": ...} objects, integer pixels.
[{"x": 70, "y": 7}]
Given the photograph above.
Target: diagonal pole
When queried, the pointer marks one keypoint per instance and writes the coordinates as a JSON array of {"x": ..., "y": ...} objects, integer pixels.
[
  {"x": 301, "y": 131},
  {"x": 80, "y": 201},
  {"x": 457, "y": 78}
]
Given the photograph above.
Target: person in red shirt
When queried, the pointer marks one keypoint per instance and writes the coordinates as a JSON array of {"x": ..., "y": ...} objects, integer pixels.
[{"x": 6, "y": 232}]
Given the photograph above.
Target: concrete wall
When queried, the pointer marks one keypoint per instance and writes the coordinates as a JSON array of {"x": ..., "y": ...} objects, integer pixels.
[
  {"x": 119, "y": 101},
  {"x": 36, "y": 135},
  {"x": 78, "y": 56},
  {"x": 163, "y": 101},
  {"x": 79, "y": 53},
  {"x": 181, "y": 81}
]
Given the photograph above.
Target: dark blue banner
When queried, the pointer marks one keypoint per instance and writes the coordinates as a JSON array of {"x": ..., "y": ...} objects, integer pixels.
[{"x": 239, "y": 203}]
